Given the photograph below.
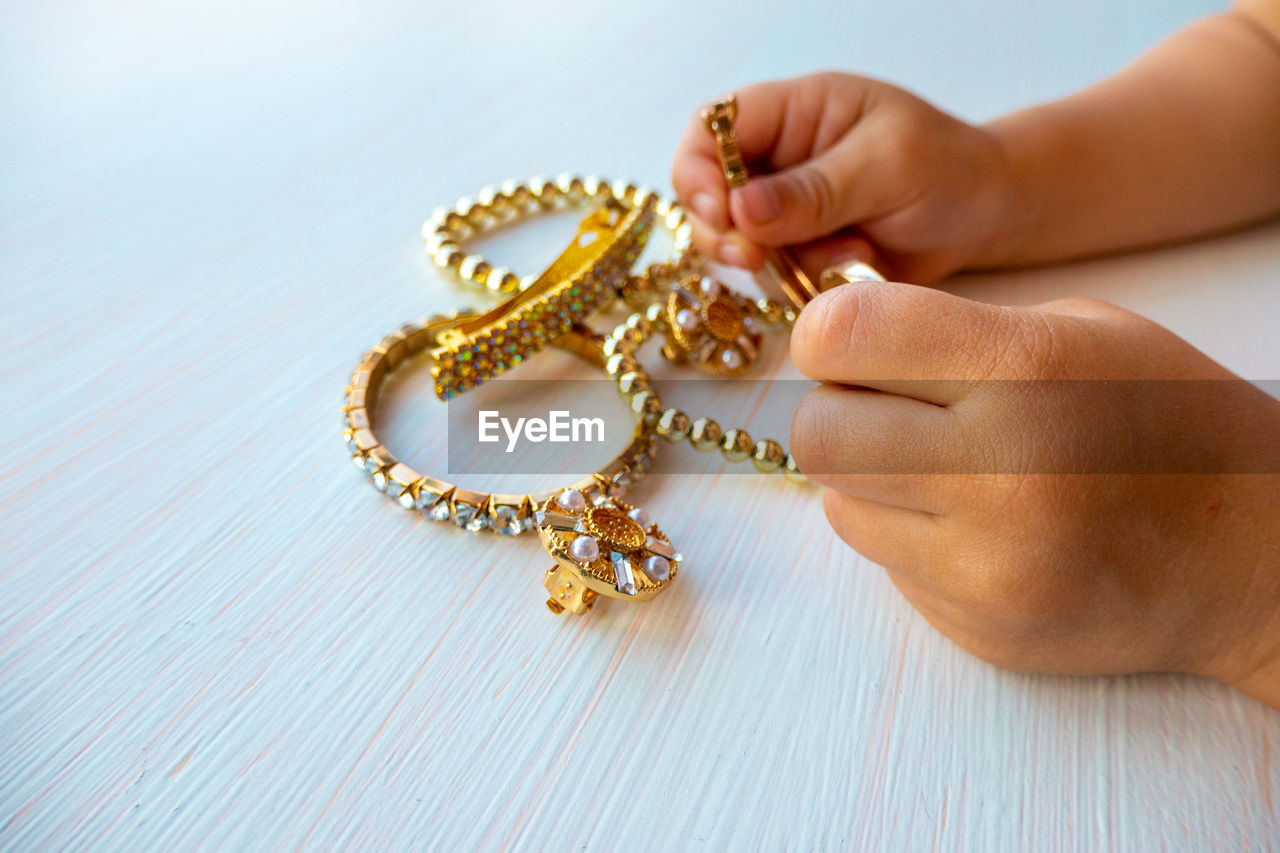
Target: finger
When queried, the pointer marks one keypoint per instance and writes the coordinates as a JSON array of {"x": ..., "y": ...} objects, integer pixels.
[
  {"x": 841, "y": 186},
  {"x": 900, "y": 540},
  {"x": 878, "y": 446},
  {"x": 780, "y": 124},
  {"x": 698, "y": 178},
  {"x": 908, "y": 340}
]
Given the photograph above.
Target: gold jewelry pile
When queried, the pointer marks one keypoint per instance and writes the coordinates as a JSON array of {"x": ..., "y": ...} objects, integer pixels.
[{"x": 600, "y": 544}]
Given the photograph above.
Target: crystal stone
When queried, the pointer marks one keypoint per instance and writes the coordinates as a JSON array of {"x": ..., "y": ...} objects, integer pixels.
[
  {"x": 469, "y": 518},
  {"x": 626, "y": 579},
  {"x": 507, "y": 521},
  {"x": 437, "y": 510},
  {"x": 406, "y": 499}
]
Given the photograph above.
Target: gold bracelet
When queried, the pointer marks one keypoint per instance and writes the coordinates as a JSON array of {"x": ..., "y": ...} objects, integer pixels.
[
  {"x": 493, "y": 207},
  {"x": 600, "y": 544},
  {"x": 704, "y": 434},
  {"x": 441, "y": 501},
  {"x": 719, "y": 119}
]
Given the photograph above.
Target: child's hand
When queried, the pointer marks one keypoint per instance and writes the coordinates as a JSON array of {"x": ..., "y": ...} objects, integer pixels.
[
  {"x": 860, "y": 169},
  {"x": 1143, "y": 559}
]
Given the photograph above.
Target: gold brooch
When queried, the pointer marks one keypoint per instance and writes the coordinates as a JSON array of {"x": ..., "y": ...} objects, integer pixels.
[
  {"x": 605, "y": 547},
  {"x": 711, "y": 326}
]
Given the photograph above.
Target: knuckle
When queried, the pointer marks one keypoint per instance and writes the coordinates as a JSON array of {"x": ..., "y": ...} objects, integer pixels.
[
  {"x": 815, "y": 434},
  {"x": 818, "y": 193}
]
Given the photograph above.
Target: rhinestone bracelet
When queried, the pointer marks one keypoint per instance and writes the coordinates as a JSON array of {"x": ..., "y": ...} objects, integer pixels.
[{"x": 441, "y": 501}]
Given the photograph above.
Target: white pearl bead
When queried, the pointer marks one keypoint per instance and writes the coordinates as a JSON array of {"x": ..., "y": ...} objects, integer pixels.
[
  {"x": 731, "y": 359},
  {"x": 656, "y": 568},
  {"x": 572, "y": 500},
  {"x": 709, "y": 286},
  {"x": 751, "y": 325},
  {"x": 584, "y": 549},
  {"x": 640, "y": 517},
  {"x": 687, "y": 320}
]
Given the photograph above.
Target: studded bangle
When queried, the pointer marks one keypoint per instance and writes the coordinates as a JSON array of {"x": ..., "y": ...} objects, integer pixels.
[
  {"x": 493, "y": 207},
  {"x": 704, "y": 434},
  {"x": 442, "y": 501}
]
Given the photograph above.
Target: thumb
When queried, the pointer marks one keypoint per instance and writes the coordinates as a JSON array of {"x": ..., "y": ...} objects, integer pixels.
[{"x": 807, "y": 201}]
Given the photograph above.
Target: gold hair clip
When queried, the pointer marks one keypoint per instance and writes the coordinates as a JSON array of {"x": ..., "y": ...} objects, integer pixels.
[
  {"x": 587, "y": 274},
  {"x": 445, "y": 232},
  {"x": 719, "y": 118}
]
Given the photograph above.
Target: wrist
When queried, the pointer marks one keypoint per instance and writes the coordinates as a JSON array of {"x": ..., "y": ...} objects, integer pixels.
[{"x": 1013, "y": 212}]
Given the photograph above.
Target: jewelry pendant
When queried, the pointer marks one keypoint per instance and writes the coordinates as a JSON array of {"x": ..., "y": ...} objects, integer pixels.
[
  {"x": 711, "y": 326},
  {"x": 604, "y": 547}
]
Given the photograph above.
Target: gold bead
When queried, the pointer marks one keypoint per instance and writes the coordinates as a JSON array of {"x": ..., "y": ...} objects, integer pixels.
[
  {"x": 705, "y": 434},
  {"x": 646, "y": 405},
  {"x": 791, "y": 472},
  {"x": 767, "y": 456},
  {"x": 596, "y": 187},
  {"x": 736, "y": 445},
  {"x": 544, "y": 191},
  {"x": 632, "y": 382},
  {"x": 450, "y": 258},
  {"x": 520, "y": 195},
  {"x": 491, "y": 198},
  {"x": 640, "y": 323},
  {"x": 455, "y": 222},
  {"x": 673, "y": 425},
  {"x": 467, "y": 268},
  {"x": 570, "y": 186},
  {"x": 656, "y": 315},
  {"x": 618, "y": 364},
  {"x": 441, "y": 250},
  {"x": 624, "y": 192},
  {"x": 632, "y": 336},
  {"x": 480, "y": 271},
  {"x": 502, "y": 280}
]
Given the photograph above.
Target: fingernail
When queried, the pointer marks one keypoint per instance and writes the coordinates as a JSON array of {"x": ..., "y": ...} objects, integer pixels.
[
  {"x": 732, "y": 255},
  {"x": 706, "y": 208},
  {"x": 760, "y": 202}
]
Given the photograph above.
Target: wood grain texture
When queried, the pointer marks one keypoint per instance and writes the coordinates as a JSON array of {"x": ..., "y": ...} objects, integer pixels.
[{"x": 213, "y": 635}]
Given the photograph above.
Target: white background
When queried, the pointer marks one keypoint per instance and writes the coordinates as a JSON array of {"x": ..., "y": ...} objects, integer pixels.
[{"x": 213, "y": 634}]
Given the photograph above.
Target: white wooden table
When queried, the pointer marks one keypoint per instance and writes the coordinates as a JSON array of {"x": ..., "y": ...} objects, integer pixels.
[{"x": 212, "y": 634}]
